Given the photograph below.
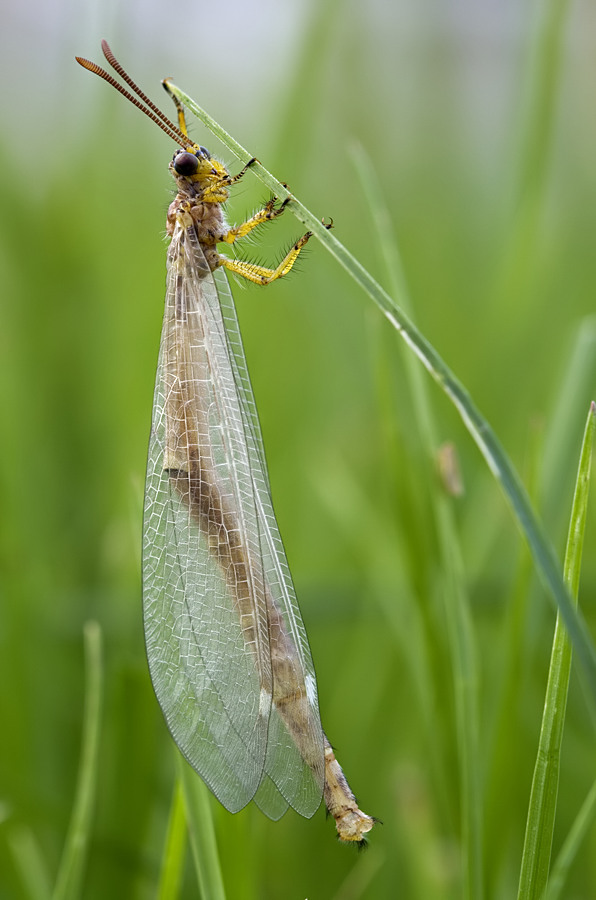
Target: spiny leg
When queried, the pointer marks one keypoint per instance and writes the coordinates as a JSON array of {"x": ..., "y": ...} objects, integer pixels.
[
  {"x": 261, "y": 274},
  {"x": 267, "y": 214},
  {"x": 232, "y": 179},
  {"x": 179, "y": 108},
  {"x": 252, "y": 271}
]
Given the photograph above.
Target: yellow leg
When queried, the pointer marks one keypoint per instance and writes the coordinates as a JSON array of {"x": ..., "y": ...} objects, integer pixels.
[
  {"x": 261, "y": 274},
  {"x": 266, "y": 214},
  {"x": 232, "y": 179},
  {"x": 179, "y": 109}
]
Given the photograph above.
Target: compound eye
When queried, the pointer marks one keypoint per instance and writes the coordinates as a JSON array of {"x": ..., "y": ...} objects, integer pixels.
[
  {"x": 186, "y": 163},
  {"x": 202, "y": 151}
]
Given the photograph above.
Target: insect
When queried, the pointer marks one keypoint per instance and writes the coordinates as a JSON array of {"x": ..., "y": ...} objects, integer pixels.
[{"x": 227, "y": 649}]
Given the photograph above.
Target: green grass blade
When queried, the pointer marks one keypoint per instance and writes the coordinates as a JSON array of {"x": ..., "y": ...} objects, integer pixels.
[
  {"x": 564, "y": 431},
  {"x": 506, "y": 780},
  {"x": 463, "y": 656},
  {"x": 309, "y": 72},
  {"x": 497, "y": 460},
  {"x": 540, "y": 110},
  {"x": 172, "y": 866},
  {"x": 543, "y": 798},
  {"x": 30, "y": 864},
  {"x": 465, "y": 675},
  {"x": 72, "y": 866},
  {"x": 585, "y": 818},
  {"x": 537, "y": 128},
  {"x": 202, "y": 833}
]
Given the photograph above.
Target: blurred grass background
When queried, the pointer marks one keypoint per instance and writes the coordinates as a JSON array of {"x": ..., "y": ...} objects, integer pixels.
[{"x": 479, "y": 122}]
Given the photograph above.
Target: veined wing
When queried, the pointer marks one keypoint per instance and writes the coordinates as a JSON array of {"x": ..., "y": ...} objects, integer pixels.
[
  {"x": 227, "y": 649},
  {"x": 295, "y": 762}
]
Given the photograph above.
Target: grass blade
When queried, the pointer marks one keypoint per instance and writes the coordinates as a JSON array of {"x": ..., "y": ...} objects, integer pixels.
[
  {"x": 202, "y": 833},
  {"x": 537, "y": 121},
  {"x": 172, "y": 866},
  {"x": 543, "y": 798},
  {"x": 74, "y": 857},
  {"x": 497, "y": 460},
  {"x": 564, "y": 432},
  {"x": 458, "y": 615},
  {"x": 584, "y": 820},
  {"x": 30, "y": 864}
]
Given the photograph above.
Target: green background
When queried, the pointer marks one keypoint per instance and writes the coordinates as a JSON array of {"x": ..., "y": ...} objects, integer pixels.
[{"x": 482, "y": 135}]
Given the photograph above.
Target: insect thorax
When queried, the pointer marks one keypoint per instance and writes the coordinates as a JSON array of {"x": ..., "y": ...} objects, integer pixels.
[{"x": 207, "y": 219}]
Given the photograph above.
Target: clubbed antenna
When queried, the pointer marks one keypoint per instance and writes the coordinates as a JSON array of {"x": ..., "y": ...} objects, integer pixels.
[{"x": 147, "y": 106}]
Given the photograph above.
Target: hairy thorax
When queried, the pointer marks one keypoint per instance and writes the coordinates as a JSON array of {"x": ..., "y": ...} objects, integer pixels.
[{"x": 188, "y": 209}]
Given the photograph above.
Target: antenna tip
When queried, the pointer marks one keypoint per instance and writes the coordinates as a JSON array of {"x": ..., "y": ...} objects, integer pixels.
[{"x": 85, "y": 63}]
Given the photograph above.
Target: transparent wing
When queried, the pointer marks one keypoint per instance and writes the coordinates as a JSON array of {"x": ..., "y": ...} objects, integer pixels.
[{"x": 227, "y": 649}]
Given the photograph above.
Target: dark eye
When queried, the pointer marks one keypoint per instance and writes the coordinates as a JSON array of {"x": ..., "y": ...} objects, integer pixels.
[
  {"x": 204, "y": 152},
  {"x": 186, "y": 163}
]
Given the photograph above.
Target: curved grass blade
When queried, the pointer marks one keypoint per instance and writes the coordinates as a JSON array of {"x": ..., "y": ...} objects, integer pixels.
[
  {"x": 458, "y": 614},
  {"x": 490, "y": 447},
  {"x": 72, "y": 865},
  {"x": 202, "y": 833},
  {"x": 584, "y": 820},
  {"x": 172, "y": 866},
  {"x": 543, "y": 799},
  {"x": 574, "y": 387},
  {"x": 35, "y": 879}
]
